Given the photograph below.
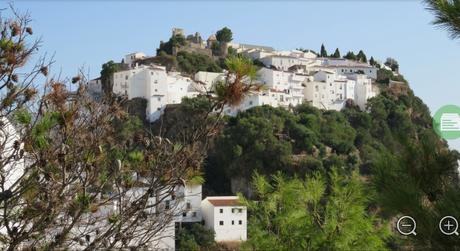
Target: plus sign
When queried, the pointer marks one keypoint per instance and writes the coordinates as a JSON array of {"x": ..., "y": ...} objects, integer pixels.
[{"x": 448, "y": 225}]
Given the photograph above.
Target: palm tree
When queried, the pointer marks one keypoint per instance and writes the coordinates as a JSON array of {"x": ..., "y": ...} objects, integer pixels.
[{"x": 447, "y": 15}]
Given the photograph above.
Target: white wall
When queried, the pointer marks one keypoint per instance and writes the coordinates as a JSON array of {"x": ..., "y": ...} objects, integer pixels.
[{"x": 230, "y": 216}]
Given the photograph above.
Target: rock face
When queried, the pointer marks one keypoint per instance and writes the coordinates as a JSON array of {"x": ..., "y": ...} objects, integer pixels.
[{"x": 242, "y": 185}]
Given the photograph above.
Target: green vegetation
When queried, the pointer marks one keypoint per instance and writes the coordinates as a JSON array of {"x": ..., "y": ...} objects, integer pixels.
[
  {"x": 447, "y": 15},
  {"x": 193, "y": 237},
  {"x": 393, "y": 64},
  {"x": 195, "y": 62},
  {"x": 177, "y": 40},
  {"x": 108, "y": 69},
  {"x": 224, "y": 35},
  {"x": 323, "y": 52},
  {"x": 361, "y": 57},
  {"x": 350, "y": 55},
  {"x": 322, "y": 212},
  {"x": 336, "y": 53}
]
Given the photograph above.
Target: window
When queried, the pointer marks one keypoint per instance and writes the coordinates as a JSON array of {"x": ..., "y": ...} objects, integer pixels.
[
  {"x": 167, "y": 204},
  {"x": 155, "y": 82},
  {"x": 250, "y": 102},
  {"x": 221, "y": 223},
  {"x": 240, "y": 222},
  {"x": 159, "y": 98},
  {"x": 194, "y": 214},
  {"x": 221, "y": 211},
  {"x": 188, "y": 205},
  {"x": 126, "y": 77},
  {"x": 233, "y": 222},
  {"x": 158, "y": 108},
  {"x": 240, "y": 210},
  {"x": 184, "y": 214}
]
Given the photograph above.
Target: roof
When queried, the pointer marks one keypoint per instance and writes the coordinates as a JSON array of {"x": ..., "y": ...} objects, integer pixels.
[{"x": 226, "y": 201}]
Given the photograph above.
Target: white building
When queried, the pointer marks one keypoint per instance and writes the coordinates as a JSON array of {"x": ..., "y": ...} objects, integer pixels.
[
  {"x": 208, "y": 79},
  {"x": 253, "y": 100},
  {"x": 345, "y": 66},
  {"x": 364, "y": 89},
  {"x": 285, "y": 62},
  {"x": 329, "y": 90},
  {"x": 226, "y": 216},
  {"x": 286, "y": 87},
  {"x": 154, "y": 84},
  {"x": 132, "y": 57}
]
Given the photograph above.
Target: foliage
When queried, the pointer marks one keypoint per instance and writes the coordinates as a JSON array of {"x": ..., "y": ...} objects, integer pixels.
[
  {"x": 392, "y": 63},
  {"x": 108, "y": 69},
  {"x": 350, "y": 55},
  {"x": 195, "y": 237},
  {"x": 192, "y": 63},
  {"x": 175, "y": 41},
  {"x": 224, "y": 35},
  {"x": 384, "y": 76},
  {"x": 361, "y": 57},
  {"x": 241, "y": 74},
  {"x": 336, "y": 53},
  {"x": 322, "y": 212},
  {"x": 447, "y": 15},
  {"x": 323, "y": 52}
]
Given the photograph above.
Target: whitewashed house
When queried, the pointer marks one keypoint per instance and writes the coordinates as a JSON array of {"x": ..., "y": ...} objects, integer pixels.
[
  {"x": 154, "y": 84},
  {"x": 286, "y": 87},
  {"x": 283, "y": 62},
  {"x": 364, "y": 89},
  {"x": 328, "y": 90},
  {"x": 252, "y": 100},
  {"x": 226, "y": 216},
  {"x": 345, "y": 66},
  {"x": 208, "y": 79}
]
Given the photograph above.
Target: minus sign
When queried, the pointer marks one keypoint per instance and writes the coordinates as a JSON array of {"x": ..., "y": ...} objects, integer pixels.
[{"x": 405, "y": 225}]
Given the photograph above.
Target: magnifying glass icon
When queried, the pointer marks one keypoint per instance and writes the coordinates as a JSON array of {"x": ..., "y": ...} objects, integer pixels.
[
  {"x": 406, "y": 225},
  {"x": 448, "y": 225}
]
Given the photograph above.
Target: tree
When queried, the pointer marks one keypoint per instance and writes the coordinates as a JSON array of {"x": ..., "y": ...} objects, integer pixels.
[
  {"x": 85, "y": 175},
  {"x": 224, "y": 35},
  {"x": 447, "y": 15},
  {"x": 323, "y": 52},
  {"x": 361, "y": 57},
  {"x": 322, "y": 212},
  {"x": 350, "y": 55},
  {"x": 372, "y": 61},
  {"x": 195, "y": 237},
  {"x": 175, "y": 41},
  {"x": 108, "y": 69},
  {"x": 336, "y": 53},
  {"x": 393, "y": 64}
]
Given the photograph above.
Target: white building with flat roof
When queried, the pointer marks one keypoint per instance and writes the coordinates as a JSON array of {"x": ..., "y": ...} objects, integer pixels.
[
  {"x": 154, "y": 84},
  {"x": 329, "y": 90},
  {"x": 286, "y": 87},
  {"x": 345, "y": 66},
  {"x": 226, "y": 216}
]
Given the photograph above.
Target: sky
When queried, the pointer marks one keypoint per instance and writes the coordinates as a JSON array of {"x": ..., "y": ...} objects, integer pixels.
[{"x": 89, "y": 33}]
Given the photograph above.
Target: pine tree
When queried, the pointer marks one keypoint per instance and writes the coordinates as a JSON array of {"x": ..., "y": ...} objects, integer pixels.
[
  {"x": 323, "y": 51},
  {"x": 336, "y": 53},
  {"x": 350, "y": 55},
  {"x": 326, "y": 212},
  {"x": 361, "y": 57},
  {"x": 372, "y": 61}
]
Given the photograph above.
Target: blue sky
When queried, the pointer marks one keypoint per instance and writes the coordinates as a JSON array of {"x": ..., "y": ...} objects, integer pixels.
[{"x": 89, "y": 33}]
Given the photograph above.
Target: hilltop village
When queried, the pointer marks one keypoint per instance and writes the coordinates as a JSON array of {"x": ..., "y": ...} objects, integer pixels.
[
  {"x": 188, "y": 66},
  {"x": 289, "y": 78}
]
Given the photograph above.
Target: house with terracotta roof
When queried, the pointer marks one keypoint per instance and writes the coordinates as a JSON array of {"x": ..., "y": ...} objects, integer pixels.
[{"x": 227, "y": 216}]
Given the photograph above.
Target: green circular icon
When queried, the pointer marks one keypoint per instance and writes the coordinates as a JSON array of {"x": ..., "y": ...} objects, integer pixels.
[{"x": 446, "y": 122}]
